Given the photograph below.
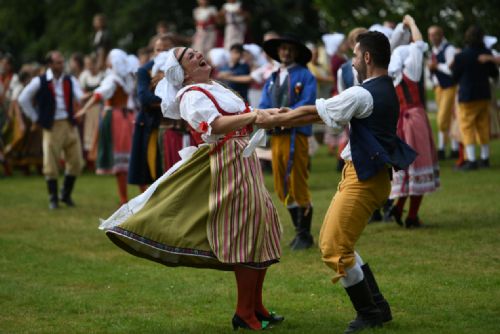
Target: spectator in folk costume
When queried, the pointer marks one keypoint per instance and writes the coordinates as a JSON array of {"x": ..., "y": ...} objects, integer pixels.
[
  {"x": 320, "y": 71},
  {"x": 336, "y": 47},
  {"x": 474, "y": 96},
  {"x": 8, "y": 78},
  {"x": 422, "y": 176},
  {"x": 56, "y": 95},
  {"x": 101, "y": 40},
  {"x": 90, "y": 79},
  {"x": 345, "y": 77},
  {"x": 237, "y": 67},
  {"x": 371, "y": 110},
  {"x": 258, "y": 76},
  {"x": 489, "y": 42},
  {"x": 25, "y": 149},
  {"x": 445, "y": 88},
  {"x": 115, "y": 129},
  {"x": 292, "y": 86},
  {"x": 205, "y": 17},
  {"x": 235, "y": 18},
  {"x": 146, "y": 159},
  {"x": 210, "y": 210}
]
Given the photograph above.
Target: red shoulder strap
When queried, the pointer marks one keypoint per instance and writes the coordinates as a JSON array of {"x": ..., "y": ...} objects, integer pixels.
[{"x": 210, "y": 96}]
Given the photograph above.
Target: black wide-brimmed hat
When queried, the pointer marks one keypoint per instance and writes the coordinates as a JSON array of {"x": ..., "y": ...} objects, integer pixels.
[{"x": 303, "y": 53}]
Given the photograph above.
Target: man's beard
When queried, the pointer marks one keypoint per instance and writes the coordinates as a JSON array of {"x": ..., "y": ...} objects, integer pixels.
[{"x": 361, "y": 73}]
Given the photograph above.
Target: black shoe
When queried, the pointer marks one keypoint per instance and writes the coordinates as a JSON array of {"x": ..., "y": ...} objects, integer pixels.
[
  {"x": 302, "y": 242},
  {"x": 303, "y": 239},
  {"x": 294, "y": 214},
  {"x": 240, "y": 323},
  {"x": 368, "y": 314},
  {"x": 394, "y": 213},
  {"x": 468, "y": 166},
  {"x": 272, "y": 319},
  {"x": 378, "y": 298},
  {"x": 454, "y": 154},
  {"x": 376, "y": 216},
  {"x": 386, "y": 209},
  {"x": 69, "y": 182},
  {"x": 441, "y": 155},
  {"x": 413, "y": 222},
  {"x": 53, "y": 198},
  {"x": 484, "y": 163},
  {"x": 53, "y": 204}
]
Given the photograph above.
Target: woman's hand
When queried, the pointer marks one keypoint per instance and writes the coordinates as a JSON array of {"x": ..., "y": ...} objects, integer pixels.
[
  {"x": 154, "y": 80},
  {"x": 80, "y": 113}
]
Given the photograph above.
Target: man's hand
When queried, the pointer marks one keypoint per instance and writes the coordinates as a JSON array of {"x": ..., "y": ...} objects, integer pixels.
[
  {"x": 224, "y": 75},
  {"x": 80, "y": 113},
  {"x": 265, "y": 118},
  {"x": 34, "y": 127},
  {"x": 484, "y": 58},
  {"x": 432, "y": 65}
]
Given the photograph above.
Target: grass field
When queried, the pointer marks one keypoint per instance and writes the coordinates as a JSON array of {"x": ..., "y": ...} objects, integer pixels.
[{"x": 60, "y": 274}]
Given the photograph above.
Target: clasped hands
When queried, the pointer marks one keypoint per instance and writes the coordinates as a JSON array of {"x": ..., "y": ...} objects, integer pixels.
[{"x": 270, "y": 118}]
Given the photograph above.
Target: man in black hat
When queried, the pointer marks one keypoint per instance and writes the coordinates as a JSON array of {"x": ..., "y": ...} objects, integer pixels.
[{"x": 292, "y": 86}]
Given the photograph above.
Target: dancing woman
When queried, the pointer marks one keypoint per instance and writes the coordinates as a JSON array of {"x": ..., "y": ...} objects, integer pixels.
[
  {"x": 211, "y": 209},
  {"x": 117, "y": 124}
]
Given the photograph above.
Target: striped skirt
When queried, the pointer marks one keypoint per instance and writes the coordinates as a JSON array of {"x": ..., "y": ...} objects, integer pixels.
[{"x": 212, "y": 212}]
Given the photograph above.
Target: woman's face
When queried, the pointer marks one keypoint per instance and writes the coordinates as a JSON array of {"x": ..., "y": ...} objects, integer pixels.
[{"x": 195, "y": 66}]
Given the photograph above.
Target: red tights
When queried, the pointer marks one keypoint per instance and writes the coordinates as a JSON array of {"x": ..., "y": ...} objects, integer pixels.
[{"x": 249, "y": 282}]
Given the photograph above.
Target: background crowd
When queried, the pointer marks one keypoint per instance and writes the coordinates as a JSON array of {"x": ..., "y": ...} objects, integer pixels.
[{"x": 221, "y": 33}]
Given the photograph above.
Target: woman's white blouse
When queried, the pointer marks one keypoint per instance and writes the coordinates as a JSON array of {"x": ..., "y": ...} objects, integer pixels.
[
  {"x": 108, "y": 86},
  {"x": 407, "y": 59},
  {"x": 196, "y": 107}
]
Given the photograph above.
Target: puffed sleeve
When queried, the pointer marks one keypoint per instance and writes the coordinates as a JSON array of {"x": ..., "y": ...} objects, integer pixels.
[
  {"x": 336, "y": 112},
  {"x": 414, "y": 62},
  {"x": 106, "y": 89},
  {"x": 199, "y": 111}
]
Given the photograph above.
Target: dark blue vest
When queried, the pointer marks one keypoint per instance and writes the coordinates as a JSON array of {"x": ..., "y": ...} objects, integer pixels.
[
  {"x": 444, "y": 80},
  {"x": 46, "y": 102},
  {"x": 347, "y": 74},
  {"x": 374, "y": 142}
]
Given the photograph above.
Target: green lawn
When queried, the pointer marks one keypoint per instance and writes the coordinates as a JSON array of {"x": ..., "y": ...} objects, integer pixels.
[{"x": 60, "y": 274}]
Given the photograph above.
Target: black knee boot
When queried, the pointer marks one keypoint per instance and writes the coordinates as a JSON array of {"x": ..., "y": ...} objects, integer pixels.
[
  {"x": 52, "y": 188},
  {"x": 69, "y": 182},
  {"x": 368, "y": 314},
  {"x": 294, "y": 213},
  {"x": 304, "y": 239},
  {"x": 378, "y": 298}
]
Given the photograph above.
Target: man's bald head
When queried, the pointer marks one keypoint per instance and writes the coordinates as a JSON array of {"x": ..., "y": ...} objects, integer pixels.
[{"x": 435, "y": 34}]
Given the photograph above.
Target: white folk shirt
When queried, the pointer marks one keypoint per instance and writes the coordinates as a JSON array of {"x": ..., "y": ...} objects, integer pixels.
[
  {"x": 29, "y": 92},
  {"x": 262, "y": 73},
  {"x": 203, "y": 14},
  {"x": 407, "y": 60},
  {"x": 196, "y": 107},
  {"x": 111, "y": 81},
  {"x": 449, "y": 56},
  {"x": 337, "y": 111}
]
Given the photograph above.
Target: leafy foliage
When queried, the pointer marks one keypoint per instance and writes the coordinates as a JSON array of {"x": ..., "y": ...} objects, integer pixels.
[{"x": 29, "y": 28}]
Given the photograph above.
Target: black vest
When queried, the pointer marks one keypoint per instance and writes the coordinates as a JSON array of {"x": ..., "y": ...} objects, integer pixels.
[
  {"x": 46, "y": 102},
  {"x": 445, "y": 80},
  {"x": 373, "y": 140}
]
